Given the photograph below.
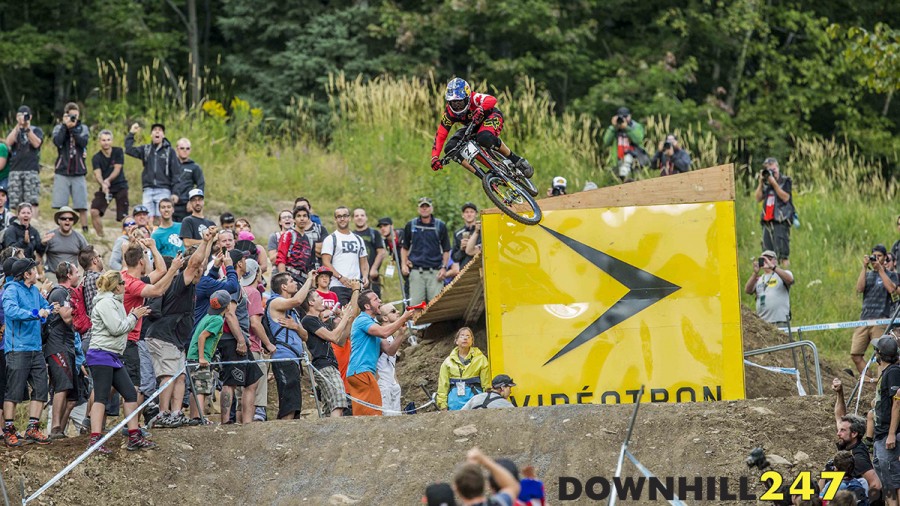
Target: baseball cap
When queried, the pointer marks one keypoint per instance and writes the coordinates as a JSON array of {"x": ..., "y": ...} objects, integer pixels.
[
  {"x": 559, "y": 181},
  {"x": 140, "y": 208},
  {"x": 439, "y": 494},
  {"x": 238, "y": 255},
  {"x": 424, "y": 201},
  {"x": 880, "y": 248},
  {"x": 8, "y": 266},
  {"x": 158, "y": 125},
  {"x": 623, "y": 111},
  {"x": 196, "y": 192},
  {"x": 470, "y": 205},
  {"x": 770, "y": 161},
  {"x": 502, "y": 380},
  {"x": 324, "y": 270},
  {"x": 769, "y": 253},
  {"x": 226, "y": 217},
  {"x": 25, "y": 109},
  {"x": 252, "y": 268},
  {"x": 3, "y": 189},
  {"x": 219, "y": 301},
  {"x": 385, "y": 221},
  {"x": 22, "y": 266}
]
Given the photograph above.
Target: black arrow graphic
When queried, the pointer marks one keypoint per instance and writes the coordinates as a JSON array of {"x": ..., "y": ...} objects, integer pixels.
[{"x": 644, "y": 290}]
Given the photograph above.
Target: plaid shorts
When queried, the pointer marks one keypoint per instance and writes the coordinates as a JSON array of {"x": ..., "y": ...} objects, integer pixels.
[
  {"x": 202, "y": 378},
  {"x": 330, "y": 384}
]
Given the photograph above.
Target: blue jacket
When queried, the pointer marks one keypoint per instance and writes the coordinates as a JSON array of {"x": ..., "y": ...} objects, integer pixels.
[
  {"x": 23, "y": 329},
  {"x": 208, "y": 285}
]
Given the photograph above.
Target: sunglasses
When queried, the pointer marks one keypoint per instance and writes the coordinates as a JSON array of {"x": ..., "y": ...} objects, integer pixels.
[
  {"x": 339, "y": 216},
  {"x": 185, "y": 148},
  {"x": 130, "y": 223},
  {"x": 66, "y": 218}
]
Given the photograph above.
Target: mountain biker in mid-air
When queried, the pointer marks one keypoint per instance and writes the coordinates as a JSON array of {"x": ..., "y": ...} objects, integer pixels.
[{"x": 464, "y": 106}]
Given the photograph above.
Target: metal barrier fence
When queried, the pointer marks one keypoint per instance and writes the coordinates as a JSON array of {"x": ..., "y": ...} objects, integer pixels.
[{"x": 790, "y": 346}]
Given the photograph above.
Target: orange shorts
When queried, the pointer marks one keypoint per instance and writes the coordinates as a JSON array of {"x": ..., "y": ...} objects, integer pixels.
[
  {"x": 862, "y": 336},
  {"x": 364, "y": 386}
]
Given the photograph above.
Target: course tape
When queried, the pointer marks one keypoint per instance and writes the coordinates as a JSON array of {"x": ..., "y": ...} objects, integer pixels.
[
  {"x": 835, "y": 326},
  {"x": 783, "y": 370},
  {"x": 115, "y": 430},
  {"x": 647, "y": 474}
]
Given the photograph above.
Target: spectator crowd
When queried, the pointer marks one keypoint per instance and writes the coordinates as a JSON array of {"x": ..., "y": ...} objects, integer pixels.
[{"x": 196, "y": 305}]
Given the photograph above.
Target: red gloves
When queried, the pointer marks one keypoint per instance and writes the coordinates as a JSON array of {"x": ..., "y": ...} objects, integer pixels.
[
  {"x": 478, "y": 115},
  {"x": 436, "y": 163}
]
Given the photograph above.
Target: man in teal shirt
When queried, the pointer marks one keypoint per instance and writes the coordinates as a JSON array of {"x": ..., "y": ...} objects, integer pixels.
[
  {"x": 168, "y": 235},
  {"x": 367, "y": 341}
]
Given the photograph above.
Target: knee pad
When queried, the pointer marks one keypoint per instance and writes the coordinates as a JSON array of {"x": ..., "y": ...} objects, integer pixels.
[{"x": 487, "y": 139}]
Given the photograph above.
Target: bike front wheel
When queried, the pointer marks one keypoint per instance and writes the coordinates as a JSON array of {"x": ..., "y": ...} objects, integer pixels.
[{"x": 512, "y": 199}]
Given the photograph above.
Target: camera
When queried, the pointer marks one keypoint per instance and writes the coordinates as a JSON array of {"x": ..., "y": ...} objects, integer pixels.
[
  {"x": 558, "y": 190},
  {"x": 757, "y": 458},
  {"x": 829, "y": 466},
  {"x": 667, "y": 146},
  {"x": 872, "y": 259},
  {"x": 761, "y": 261},
  {"x": 620, "y": 120},
  {"x": 766, "y": 173},
  {"x": 26, "y": 116},
  {"x": 73, "y": 117}
]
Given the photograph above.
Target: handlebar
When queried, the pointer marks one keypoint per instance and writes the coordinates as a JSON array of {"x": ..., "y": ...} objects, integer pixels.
[{"x": 452, "y": 153}]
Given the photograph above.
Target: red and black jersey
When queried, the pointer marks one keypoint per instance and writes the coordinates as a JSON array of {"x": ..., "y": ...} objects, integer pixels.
[{"x": 476, "y": 100}]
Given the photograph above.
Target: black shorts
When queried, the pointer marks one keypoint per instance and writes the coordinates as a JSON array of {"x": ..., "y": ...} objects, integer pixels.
[
  {"x": 26, "y": 369},
  {"x": 344, "y": 294},
  {"x": 132, "y": 360},
  {"x": 237, "y": 375},
  {"x": 2, "y": 374},
  {"x": 777, "y": 237},
  {"x": 121, "y": 197},
  {"x": 61, "y": 369},
  {"x": 105, "y": 377},
  {"x": 287, "y": 379}
]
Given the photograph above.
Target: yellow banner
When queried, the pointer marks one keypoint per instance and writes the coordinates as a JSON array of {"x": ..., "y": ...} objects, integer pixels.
[{"x": 593, "y": 303}]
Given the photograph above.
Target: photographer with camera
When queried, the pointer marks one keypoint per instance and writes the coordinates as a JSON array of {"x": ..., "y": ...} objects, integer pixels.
[
  {"x": 876, "y": 283},
  {"x": 887, "y": 417},
  {"x": 627, "y": 136},
  {"x": 70, "y": 137},
  {"x": 671, "y": 159},
  {"x": 851, "y": 429},
  {"x": 772, "y": 289},
  {"x": 24, "y": 142},
  {"x": 774, "y": 191}
]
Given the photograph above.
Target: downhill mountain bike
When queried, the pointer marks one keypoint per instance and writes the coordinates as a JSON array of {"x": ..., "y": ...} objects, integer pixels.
[{"x": 504, "y": 184}]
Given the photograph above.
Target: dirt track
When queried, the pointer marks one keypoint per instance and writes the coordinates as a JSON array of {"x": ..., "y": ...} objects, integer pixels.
[{"x": 390, "y": 460}]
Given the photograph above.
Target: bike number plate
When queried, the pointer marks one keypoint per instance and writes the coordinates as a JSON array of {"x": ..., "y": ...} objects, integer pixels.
[{"x": 468, "y": 151}]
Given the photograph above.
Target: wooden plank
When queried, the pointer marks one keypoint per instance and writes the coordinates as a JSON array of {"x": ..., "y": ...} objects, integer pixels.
[
  {"x": 707, "y": 185},
  {"x": 454, "y": 300}
]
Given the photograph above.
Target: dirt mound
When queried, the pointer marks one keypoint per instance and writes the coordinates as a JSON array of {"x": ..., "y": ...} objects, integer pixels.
[
  {"x": 390, "y": 459},
  {"x": 759, "y": 334}
]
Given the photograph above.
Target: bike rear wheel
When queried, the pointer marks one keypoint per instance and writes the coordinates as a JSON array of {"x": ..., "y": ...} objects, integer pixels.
[{"x": 512, "y": 199}]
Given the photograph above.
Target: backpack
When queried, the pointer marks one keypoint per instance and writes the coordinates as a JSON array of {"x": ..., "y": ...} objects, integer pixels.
[
  {"x": 273, "y": 338},
  {"x": 45, "y": 326},
  {"x": 81, "y": 321},
  {"x": 488, "y": 400}
]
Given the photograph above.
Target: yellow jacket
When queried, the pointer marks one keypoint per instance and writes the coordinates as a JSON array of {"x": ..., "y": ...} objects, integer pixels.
[{"x": 475, "y": 375}]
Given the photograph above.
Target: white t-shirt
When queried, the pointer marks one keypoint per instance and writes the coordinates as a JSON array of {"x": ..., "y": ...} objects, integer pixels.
[
  {"x": 345, "y": 251},
  {"x": 385, "y": 366}
]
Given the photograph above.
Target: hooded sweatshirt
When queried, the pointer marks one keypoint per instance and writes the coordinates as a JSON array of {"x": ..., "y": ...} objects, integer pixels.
[
  {"x": 15, "y": 236},
  {"x": 23, "y": 327},
  {"x": 109, "y": 323},
  {"x": 161, "y": 165},
  {"x": 475, "y": 375}
]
